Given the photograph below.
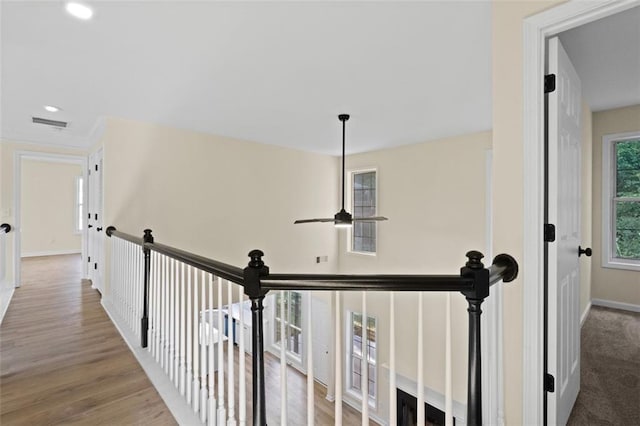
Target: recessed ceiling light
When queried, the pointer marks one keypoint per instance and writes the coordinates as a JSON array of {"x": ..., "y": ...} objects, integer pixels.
[
  {"x": 51, "y": 108},
  {"x": 79, "y": 10}
]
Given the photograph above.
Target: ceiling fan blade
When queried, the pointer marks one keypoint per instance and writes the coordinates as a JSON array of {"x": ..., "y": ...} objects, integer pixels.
[
  {"x": 372, "y": 218},
  {"x": 313, "y": 220}
]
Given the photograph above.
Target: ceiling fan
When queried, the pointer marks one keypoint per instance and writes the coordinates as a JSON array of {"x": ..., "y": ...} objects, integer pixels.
[{"x": 343, "y": 218}]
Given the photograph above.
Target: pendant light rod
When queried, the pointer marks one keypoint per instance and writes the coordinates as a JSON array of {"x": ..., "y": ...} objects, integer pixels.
[{"x": 343, "y": 118}]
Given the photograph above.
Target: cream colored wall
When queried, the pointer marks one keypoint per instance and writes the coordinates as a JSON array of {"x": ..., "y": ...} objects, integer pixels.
[
  {"x": 48, "y": 208},
  {"x": 434, "y": 195},
  {"x": 7, "y": 213},
  {"x": 508, "y": 181},
  {"x": 610, "y": 284},
  {"x": 220, "y": 197},
  {"x": 586, "y": 208}
]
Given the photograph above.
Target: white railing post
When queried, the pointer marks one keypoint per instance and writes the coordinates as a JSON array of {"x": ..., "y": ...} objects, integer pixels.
[
  {"x": 189, "y": 317},
  {"x": 338, "y": 363},
  {"x": 420, "y": 390},
  {"x": 364, "y": 365},
  {"x": 393, "y": 408},
  {"x": 448, "y": 401},
  {"x": 183, "y": 368},
  {"x": 283, "y": 362},
  {"x": 196, "y": 345},
  {"x": 222, "y": 414},
  {"x": 231, "y": 391},
  {"x": 309, "y": 351},
  {"x": 203, "y": 351},
  {"x": 242, "y": 397},
  {"x": 211, "y": 412}
]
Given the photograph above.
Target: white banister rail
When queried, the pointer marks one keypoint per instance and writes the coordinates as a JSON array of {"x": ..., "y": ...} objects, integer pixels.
[
  {"x": 178, "y": 307},
  {"x": 189, "y": 327}
]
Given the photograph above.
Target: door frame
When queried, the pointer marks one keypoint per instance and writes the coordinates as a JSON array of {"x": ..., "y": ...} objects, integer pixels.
[
  {"x": 536, "y": 29},
  {"x": 17, "y": 201}
]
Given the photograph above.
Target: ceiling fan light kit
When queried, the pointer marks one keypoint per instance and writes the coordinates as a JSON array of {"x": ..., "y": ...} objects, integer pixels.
[{"x": 342, "y": 219}]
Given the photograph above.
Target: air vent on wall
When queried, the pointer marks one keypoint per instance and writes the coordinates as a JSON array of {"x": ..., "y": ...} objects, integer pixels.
[{"x": 54, "y": 123}]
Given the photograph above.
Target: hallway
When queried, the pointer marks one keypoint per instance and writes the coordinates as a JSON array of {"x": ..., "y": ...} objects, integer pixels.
[{"x": 61, "y": 358}]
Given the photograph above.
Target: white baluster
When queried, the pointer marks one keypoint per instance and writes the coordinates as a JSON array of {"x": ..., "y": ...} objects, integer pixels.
[
  {"x": 172, "y": 319},
  {"x": 309, "y": 350},
  {"x": 189, "y": 316},
  {"x": 203, "y": 352},
  {"x": 420, "y": 392},
  {"x": 393, "y": 414},
  {"x": 210, "y": 344},
  {"x": 151, "y": 338},
  {"x": 176, "y": 288},
  {"x": 196, "y": 345},
  {"x": 283, "y": 361},
  {"x": 157, "y": 264},
  {"x": 166, "y": 315},
  {"x": 183, "y": 327},
  {"x": 448, "y": 402},
  {"x": 222, "y": 414},
  {"x": 338, "y": 362},
  {"x": 231, "y": 412},
  {"x": 364, "y": 365},
  {"x": 242, "y": 391}
]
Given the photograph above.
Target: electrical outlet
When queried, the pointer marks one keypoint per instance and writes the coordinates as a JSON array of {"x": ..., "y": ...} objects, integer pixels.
[{"x": 321, "y": 259}]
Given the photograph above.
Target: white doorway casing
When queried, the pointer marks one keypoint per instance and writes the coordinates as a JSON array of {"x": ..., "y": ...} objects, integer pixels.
[
  {"x": 536, "y": 30},
  {"x": 19, "y": 156}
]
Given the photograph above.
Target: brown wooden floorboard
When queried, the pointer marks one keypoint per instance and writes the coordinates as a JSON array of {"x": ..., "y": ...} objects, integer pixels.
[
  {"x": 61, "y": 359},
  {"x": 63, "y": 362}
]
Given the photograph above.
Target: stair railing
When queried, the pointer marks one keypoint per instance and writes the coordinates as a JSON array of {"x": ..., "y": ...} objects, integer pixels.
[{"x": 156, "y": 268}]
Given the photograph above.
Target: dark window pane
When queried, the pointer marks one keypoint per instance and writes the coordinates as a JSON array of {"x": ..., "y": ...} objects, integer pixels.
[
  {"x": 628, "y": 168},
  {"x": 627, "y": 229}
]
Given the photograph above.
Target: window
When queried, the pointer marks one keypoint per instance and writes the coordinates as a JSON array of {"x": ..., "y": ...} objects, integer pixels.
[
  {"x": 363, "y": 238},
  {"x": 79, "y": 207},
  {"x": 292, "y": 321},
  {"x": 356, "y": 362},
  {"x": 621, "y": 201}
]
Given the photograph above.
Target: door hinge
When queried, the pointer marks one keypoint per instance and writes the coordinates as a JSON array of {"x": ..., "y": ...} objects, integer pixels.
[
  {"x": 96, "y": 216},
  {"x": 88, "y": 215},
  {"x": 549, "y": 383},
  {"x": 549, "y": 83},
  {"x": 95, "y": 266},
  {"x": 553, "y": 86},
  {"x": 549, "y": 232},
  {"x": 89, "y": 259}
]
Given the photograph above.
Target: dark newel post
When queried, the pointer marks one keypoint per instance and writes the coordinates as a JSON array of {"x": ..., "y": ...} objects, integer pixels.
[
  {"x": 252, "y": 288},
  {"x": 475, "y": 269},
  {"x": 144, "y": 331}
]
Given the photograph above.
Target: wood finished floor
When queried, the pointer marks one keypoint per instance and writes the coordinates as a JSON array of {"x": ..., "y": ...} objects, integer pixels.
[
  {"x": 63, "y": 362},
  {"x": 61, "y": 359}
]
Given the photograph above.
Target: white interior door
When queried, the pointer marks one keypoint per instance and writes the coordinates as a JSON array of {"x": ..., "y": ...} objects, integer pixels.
[
  {"x": 564, "y": 211},
  {"x": 95, "y": 231}
]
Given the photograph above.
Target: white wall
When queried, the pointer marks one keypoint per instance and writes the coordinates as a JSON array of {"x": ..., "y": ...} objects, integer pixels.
[
  {"x": 220, "y": 197},
  {"x": 586, "y": 208},
  {"x": 614, "y": 285},
  {"x": 48, "y": 208}
]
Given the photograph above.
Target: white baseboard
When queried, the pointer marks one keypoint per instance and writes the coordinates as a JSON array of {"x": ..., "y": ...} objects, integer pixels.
[
  {"x": 182, "y": 412},
  {"x": 5, "y": 299},
  {"x": 50, "y": 253},
  {"x": 616, "y": 305},
  {"x": 583, "y": 317}
]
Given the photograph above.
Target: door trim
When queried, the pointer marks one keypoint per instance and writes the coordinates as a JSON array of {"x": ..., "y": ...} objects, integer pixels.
[
  {"x": 17, "y": 195},
  {"x": 536, "y": 29}
]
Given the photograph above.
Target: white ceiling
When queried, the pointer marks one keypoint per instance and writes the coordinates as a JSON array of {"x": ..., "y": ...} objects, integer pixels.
[
  {"x": 606, "y": 55},
  {"x": 276, "y": 73},
  {"x": 280, "y": 72}
]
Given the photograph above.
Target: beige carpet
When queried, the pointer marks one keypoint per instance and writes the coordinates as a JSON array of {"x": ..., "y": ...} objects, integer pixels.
[{"x": 610, "y": 369}]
